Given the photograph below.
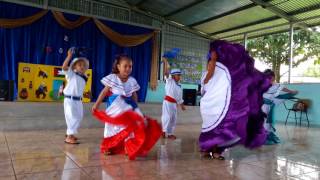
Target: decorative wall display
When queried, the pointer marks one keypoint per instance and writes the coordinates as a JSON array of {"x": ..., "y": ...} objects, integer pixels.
[
  {"x": 191, "y": 66},
  {"x": 39, "y": 82}
]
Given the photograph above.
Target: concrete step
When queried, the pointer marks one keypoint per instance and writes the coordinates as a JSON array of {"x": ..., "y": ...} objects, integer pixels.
[{"x": 50, "y": 115}]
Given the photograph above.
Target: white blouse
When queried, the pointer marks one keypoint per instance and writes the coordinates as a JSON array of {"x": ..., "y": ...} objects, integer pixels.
[
  {"x": 118, "y": 106},
  {"x": 119, "y": 87}
]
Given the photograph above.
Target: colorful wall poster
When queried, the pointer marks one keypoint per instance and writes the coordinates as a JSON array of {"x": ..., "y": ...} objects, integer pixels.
[
  {"x": 191, "y": 66},
  {"x": 37, "y": 82}
]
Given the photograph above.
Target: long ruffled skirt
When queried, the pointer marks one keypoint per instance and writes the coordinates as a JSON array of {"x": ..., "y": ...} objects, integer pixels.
[
  {"x": 136, "y": 134},
  {"x": 241, "y": 119}
]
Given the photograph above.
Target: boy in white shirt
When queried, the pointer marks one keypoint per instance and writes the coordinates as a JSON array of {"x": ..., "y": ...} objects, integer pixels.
[
  {"x": 172, "y": 99},
  {"x": 275, "y": 95},
  {"x": 73, "y": 92}
]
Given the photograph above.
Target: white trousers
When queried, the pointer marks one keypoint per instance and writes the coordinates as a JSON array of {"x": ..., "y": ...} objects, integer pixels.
[
  {"x": 73, "y": 112},
  {"x": 169, "y": 117}
]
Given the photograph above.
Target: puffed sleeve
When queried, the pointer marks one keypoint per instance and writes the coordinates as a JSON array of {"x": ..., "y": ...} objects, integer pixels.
[
  {"x": 134, "y": 85},
  {"x": 109, "y": 80}
]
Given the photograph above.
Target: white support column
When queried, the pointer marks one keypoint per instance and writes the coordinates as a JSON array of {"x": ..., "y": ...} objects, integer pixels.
[
  {"x": 91, "y": 7},
  {"x": 245, "y": 40},
  {"x": 45, "y": 4},
  {"x": 163, "y": 29},
  {"x": 290, "y": 52},
  {"x": 130, "y": 14}
]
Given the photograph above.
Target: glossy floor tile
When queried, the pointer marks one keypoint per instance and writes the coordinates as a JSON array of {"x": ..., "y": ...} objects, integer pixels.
[
  {"x": 56, "y": 175},
  {"x": 6, "y": 168},
  {"x": 43, "y": 155}
]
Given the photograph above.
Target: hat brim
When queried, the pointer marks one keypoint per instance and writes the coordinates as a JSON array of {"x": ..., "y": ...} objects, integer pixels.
[
  {"x": 177, "y": 73},
  {"x": 75, "y": 60}
]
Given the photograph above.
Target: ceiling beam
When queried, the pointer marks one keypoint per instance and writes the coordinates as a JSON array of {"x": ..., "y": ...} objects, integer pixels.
[
  {"x": 222, "y": 15},
  {"x": 255, "y": 30},
  {"x": 305, "y": 9},
  {"x": 140, "y": 3},
  {"x": 273, "y": 9},
  {"x": 183, "y": 8},
  {"x": 245, "y": 25},
  {"x": 301, "y": 20},
  {"x": 277, "y": 11},
  {"x": 298, "y": 22},
  {"x": 252, "y": 37},
  {"x": 124, "y": 6}
]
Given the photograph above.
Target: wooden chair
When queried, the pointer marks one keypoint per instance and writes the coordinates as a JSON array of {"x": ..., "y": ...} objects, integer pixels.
[{"x": 299, "y": 106}]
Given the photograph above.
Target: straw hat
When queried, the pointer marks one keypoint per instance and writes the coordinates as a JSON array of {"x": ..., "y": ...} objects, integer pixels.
[{"x": 80, "y": 59}]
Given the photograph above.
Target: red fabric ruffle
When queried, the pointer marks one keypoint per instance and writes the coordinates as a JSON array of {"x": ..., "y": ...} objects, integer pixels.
[{"x": 145, "y": 135}]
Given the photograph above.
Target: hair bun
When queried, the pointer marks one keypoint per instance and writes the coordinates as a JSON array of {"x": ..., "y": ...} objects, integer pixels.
[{"x": 122, "y": 55}]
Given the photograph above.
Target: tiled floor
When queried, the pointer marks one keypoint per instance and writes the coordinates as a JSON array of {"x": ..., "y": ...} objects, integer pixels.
[{"x": 43, "y": 155}]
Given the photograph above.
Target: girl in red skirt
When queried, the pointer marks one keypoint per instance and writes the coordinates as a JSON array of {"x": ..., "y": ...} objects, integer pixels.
[{"x": 127, "y": 130}]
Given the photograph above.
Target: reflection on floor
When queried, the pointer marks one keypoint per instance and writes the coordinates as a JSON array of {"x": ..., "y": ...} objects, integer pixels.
[{"x": 43, "y": 155}]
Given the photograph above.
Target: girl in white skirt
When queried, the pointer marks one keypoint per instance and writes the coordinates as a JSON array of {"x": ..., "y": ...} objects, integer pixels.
[{"x": 127, "y": 131}]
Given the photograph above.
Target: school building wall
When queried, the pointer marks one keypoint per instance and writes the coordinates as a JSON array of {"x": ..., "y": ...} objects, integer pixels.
[
  {"x": 158, "y": 95},
  {"x": 306, "y": 91}
]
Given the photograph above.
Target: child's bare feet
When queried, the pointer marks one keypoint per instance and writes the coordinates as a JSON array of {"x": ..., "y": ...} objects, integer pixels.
[
  {"x": 108, "y": 153},
  {"x": 163, "y": 135},
  {"x": 72, "y": 136},
  {"x": 172, "y": 137},
  {"x": 206, "y": 155},
  {"x": 217, "y": 156}
]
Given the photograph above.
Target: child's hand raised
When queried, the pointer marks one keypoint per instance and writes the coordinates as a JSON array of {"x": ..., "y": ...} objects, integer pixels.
[
  {"x": 70, "y": 52},
  {"x": 164, "y": 59}
]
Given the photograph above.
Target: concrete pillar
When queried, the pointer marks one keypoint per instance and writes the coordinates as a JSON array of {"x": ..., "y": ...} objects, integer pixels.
[
  {"x": 245, "y": 40},
  {"x": 290, "y": 52}
]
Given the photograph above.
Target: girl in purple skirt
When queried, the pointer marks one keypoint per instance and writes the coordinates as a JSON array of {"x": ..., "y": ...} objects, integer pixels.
[{"x": 231, "y": 100}]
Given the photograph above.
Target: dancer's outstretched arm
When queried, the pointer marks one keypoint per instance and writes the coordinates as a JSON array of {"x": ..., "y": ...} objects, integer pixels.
[
  {"x": 290, "y": 91},
  {"x": 211, "y": 66},
  {"x": 101, "y": 97},
  {"x": 166, "y": 67},
  {"x": 65, "y": 64}
]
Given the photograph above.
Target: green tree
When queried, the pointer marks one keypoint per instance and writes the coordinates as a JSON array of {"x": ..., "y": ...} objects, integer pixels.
[
  {"x": 274, "y": 49},
  {"x": 313, "y": 71}
]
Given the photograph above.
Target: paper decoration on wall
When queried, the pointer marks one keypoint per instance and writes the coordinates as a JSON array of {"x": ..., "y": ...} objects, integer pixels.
[
  {"x": 60, "y": 50},
  {"x": 66, "y": 38}
]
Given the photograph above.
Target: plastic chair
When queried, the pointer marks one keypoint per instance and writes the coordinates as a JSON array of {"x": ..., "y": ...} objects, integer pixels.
[{"x": 300, "y": 106}]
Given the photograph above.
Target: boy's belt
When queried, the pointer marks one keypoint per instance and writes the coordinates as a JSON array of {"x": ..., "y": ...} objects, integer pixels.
[
  {"x": 75, "y": 98},
  {"x": 170, "y": 99}
]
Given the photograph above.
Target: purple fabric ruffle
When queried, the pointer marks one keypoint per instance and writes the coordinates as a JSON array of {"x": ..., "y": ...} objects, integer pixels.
[{"x": 244, "y": 118}]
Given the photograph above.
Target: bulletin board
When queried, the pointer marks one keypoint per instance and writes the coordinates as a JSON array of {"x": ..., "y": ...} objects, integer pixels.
[
  {"x": 37, "y": 82},
  {"x": 191, "y": 67}
]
